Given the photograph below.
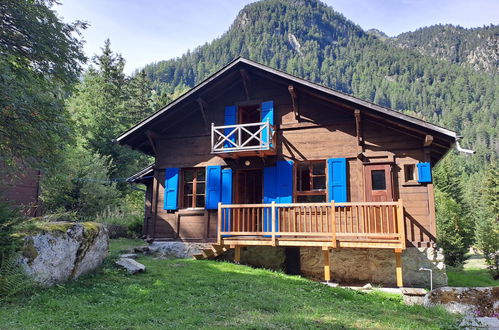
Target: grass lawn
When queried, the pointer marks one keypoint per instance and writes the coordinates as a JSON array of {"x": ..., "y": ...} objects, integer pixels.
[
  {"x": 473, "y": 273},
  {"x": 207, "y": 294}
]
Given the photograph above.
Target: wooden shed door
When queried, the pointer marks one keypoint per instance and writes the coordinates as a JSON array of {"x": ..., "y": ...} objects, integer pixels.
[{"x": 378, "y": 183}]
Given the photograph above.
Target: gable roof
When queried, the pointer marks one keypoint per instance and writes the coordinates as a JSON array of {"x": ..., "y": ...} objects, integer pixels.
[{"x": 381, "y": 110}]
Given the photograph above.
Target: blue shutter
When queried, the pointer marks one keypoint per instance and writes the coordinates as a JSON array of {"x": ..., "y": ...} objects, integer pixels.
[
  {"x": 227, "y": 186},
  {"x": 226, "y": 196},
  {"x": 171, "y": 188},
  {"x": 337, "y": 179},
  {"x": 424, "y": 172},
  {"x": 269, "y": 194},
  {"x": 230, "y": 119},
  {"x": 213, "y": 186},
  {"x": 267, "y": 115},
  {"x": 284, "y": 189}
]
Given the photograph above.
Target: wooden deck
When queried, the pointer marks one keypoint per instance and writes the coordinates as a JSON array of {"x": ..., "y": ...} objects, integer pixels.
[
  {"x": 374, "y": 225},
  {"x": 334, "y": 225}
]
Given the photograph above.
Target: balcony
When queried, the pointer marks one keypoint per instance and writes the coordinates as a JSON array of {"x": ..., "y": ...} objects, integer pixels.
[
  {"x": 253, "y": 139},
  {"x": 328, "y": 225}
]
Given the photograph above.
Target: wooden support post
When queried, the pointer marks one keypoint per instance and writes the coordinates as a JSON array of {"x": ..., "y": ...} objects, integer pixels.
[
  {"x": 333, "y": 224},
  {"x": 398, "y": 269},
  {"x": 327, "y": 267},
  {"x": 202, "y": 108},
  {"x": 273, "y": 223},
  {"x": 246, "y": 82},
  {"x": 401, "y": 223},
  {"x": 219, "y": 226},
  {"x": 358, "y": 132},
  {"x": 237, "y": 254}
]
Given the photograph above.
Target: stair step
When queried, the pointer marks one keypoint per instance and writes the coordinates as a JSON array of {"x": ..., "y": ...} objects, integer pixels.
[
  {"x": 207, "y": 253},
  {"x": 198, "y": 256}
]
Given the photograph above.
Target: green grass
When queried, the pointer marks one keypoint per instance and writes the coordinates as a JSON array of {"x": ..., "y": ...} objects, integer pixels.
[
  {"x": 474, "y": 273},
  {"x": 207, "y": 294}
]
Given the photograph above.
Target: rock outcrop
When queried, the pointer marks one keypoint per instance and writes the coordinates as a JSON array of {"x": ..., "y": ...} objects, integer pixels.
[{"x": 56, "y": 252}]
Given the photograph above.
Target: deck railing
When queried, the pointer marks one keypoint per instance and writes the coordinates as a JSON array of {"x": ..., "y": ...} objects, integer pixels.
[
  {"x": 369, "y": 222},
  {"x": 242, "y": 137}
]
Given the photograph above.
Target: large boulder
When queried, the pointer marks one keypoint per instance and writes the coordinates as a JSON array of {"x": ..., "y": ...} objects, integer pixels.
[{"x": 55, "y": 252}]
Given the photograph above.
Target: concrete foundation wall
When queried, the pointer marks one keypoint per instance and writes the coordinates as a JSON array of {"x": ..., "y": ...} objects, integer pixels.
[{"x": 376, "y": 266}]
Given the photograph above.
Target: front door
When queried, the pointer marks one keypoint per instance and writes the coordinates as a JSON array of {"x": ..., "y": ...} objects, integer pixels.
[
  {"x": 249, "y": 187},
  {"x": 379, "y": 188},
  {"x": 378, "y": 183},
  {"x": 248, "y": 190}
]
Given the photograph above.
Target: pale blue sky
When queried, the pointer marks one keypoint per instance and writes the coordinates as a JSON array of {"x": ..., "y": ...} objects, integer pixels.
[{"x": 146, "y": 31}]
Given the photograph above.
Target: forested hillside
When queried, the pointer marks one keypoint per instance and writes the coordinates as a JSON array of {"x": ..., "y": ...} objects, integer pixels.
[{"x": 477, "y": 48}]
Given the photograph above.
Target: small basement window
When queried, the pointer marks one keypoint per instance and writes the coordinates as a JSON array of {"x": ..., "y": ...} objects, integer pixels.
[
  {"x": 410, "y": 173},
  {"x": 311, "y": 182},
  {"x": 193, "y": 187}
]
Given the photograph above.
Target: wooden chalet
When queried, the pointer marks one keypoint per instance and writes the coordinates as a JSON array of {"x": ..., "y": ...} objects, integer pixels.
[{"x": 256, "y": 156}]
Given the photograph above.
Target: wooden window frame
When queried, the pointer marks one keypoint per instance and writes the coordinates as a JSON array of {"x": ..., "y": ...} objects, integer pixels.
[
  {"x": 312, "y": 192},
  {"x": 194, "y": 194},
  {"x": 413, "y": 182}
]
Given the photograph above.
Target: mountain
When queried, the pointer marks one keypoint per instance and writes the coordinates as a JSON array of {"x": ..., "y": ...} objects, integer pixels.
[
  {"x": 309, "y": 39},
  {"x": 476, "y": 47}
]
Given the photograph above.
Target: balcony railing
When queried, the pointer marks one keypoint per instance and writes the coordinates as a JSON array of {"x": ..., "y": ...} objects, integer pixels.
[
  {"x": 242, "y": 137},
  {"x": 364, "y": 224}
]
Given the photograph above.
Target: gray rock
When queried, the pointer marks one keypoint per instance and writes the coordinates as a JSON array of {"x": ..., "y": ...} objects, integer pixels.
[
  {"x": 177, "y": 249},
  {"x": 61, "y": 251},
  {"x": 131, "y": 265},
  {"x": 129, "y": 255}
]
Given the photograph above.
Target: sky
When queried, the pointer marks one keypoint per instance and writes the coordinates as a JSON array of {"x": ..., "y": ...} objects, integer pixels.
[{"x": 146, "y": 31}]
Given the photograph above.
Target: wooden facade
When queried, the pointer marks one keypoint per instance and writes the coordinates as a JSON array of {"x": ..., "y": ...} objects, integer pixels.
[
  {"x": 386, "y": 159},
  {"x": 21, "y": 188}
]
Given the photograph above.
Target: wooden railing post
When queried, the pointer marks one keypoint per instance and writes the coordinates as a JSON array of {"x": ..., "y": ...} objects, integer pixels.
[
  {"x": 333, "y": 224},
  {"x": 219, "y": 235},
  {"x": 401, "y": 222},
  {"x": 273, "y": 223},
  {"x": 212, "y": 137}
]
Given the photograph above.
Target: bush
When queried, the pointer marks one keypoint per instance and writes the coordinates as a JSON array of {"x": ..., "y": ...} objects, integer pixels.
[{"x": 122, "y": 221}]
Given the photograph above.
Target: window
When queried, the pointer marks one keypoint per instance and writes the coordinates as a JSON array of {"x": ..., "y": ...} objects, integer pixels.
[
  {"x": 378, "y": 180},
  {"x": 311, "y": 182},
  {"x": 410, "y": 173},
  {"x": 193, "y": 187}
]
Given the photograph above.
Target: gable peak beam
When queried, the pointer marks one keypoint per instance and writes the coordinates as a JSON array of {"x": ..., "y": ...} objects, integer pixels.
[
  {"x": 294, "y": 100},
  {"x": 246, "y": 82},
  {"x": 428, "y": 140},
  {"x": 358, "y": 131},
  {"x": 203, "y": 106},
  {"x": 152, "y": 137}
]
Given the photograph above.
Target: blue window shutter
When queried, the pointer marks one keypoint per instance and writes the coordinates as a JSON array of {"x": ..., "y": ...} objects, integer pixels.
[
  {"x": 269, "y": 184},
  {"x": 230, "y": 119},
  {"x": 267, "y": 115},
  {"x": 284, "y": 189},
  {"x": 171, "y": 188},
  {"x": 213, "y": 187},
  {"x": 424, "y": 172},
  {"x": 337, "y": 179},
  {"x": 226, "y": 197},
  {"x": 269, "y": 194},
  {"x": 227, "y": 186}
]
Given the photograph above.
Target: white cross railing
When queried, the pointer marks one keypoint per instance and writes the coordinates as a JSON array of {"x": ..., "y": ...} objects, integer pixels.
[{"x": 241, "y": 137}]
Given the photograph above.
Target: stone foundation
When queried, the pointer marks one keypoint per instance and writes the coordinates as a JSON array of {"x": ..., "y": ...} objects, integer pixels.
[
  {"x": 260, "y": 256},
  {"x": 376, "y": 266}
]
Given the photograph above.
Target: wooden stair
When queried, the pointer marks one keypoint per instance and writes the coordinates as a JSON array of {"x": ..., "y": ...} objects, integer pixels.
[{"x": 214, "y": 251}]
